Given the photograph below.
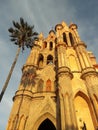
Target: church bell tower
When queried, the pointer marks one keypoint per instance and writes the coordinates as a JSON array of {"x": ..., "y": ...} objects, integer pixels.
[{"x": 59, "y": 85}]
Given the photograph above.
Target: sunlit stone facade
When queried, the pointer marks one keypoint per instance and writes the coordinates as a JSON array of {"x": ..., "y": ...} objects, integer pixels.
[{"x": 59, "y": 85}]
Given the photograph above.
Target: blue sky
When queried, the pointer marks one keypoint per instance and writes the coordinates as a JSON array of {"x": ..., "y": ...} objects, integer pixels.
[{"x": 44, "y": 14}]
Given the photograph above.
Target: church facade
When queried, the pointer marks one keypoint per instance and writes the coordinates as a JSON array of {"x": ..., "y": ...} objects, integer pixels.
[{"x": 59, "y": 85}]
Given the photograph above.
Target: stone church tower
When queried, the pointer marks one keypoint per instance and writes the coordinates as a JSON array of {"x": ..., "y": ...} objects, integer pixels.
[{"x": 59, "y": 85}]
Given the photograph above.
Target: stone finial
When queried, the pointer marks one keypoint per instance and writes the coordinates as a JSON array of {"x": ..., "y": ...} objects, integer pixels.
[
  {"x": 41, "y": 36},
  {"x": 58, "y": 27},
  {"x": 64, "y": 24},
  {"x": 51, "y": 31},
  {"x": 73, "y": 26}
]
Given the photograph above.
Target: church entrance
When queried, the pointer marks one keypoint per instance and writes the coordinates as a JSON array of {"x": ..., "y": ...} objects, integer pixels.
[{"x": 47, "y": 125}]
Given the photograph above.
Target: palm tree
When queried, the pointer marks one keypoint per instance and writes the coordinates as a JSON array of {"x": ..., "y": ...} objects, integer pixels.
[{"x": 23, "y": 35}]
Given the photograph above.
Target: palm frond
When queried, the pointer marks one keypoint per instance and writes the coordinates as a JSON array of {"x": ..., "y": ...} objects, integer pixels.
[
  {"x": 25, "y": 25},
  {"x": 35, "y": 38},
  {"x": 13, "y": 39},
  {"x": 23, "y": 34},
  {"x": 11, "y": 30},
  {"x": 16, "y": 43},
  {"x": 13, "y": 36},
  {"x": 14, "y": 23},
  {"x": 22, "y": 22},
  {"x": 17, "y": 25},
  {"x": 34, "y": 33}
]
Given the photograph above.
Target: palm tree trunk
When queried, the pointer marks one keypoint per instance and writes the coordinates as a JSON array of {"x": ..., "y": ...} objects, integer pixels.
[{"x": 10, "y": 73}]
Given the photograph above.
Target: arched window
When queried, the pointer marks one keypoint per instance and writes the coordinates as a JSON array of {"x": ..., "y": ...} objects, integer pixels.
[
  {"x": 72, "y": 59},
  {"x": 50, "y": 59},
  {"x": 45, "y": 44},
  {"x": 71, "y": 39},
  {"x": 50, "y": 46},
  {"x": 64, "y": 38},
  {"x": 40, "y": 60},
  {"x": 47, "y": 125},
  {"x": 40, "y": 85},
  {"x": 48, "y": 85}
]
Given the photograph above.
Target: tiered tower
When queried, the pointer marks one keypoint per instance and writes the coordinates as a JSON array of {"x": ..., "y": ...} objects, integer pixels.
[{"x": 59, "y": 85}]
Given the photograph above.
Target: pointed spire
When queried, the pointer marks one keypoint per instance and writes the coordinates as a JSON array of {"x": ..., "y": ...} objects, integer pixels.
[
  {"x": 64, "y": 24},
  {"x": 41, "y": 36}
]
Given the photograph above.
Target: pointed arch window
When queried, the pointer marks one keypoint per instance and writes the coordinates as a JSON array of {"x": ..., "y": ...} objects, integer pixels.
[
  {"x": 71, "y": 39},
  {"x": 65, "y": 38},
  {"x": 40, "y": 60},
  {"x": 72, "y": 59},
  {"x": 49, "y": 59},
  {"x": 40, "y": 85},
  {"x": 48, "y": 85},
  {"x": 47, "y": 125},
  {"x": 45, "y": 44},
  {"x": 51, "y": 46}
]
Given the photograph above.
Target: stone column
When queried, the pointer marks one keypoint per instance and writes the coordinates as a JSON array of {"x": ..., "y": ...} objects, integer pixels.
[
  {"x": 91, "y": 79},
  {"x": 82, "y": 55},
  {"x": 80, "y": 48},
  {"x": 66, "y": 106},
  {"x": 74, "y": 28}
]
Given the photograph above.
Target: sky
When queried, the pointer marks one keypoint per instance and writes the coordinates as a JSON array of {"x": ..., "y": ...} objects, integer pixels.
[{"x": 44, "y": 15}]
